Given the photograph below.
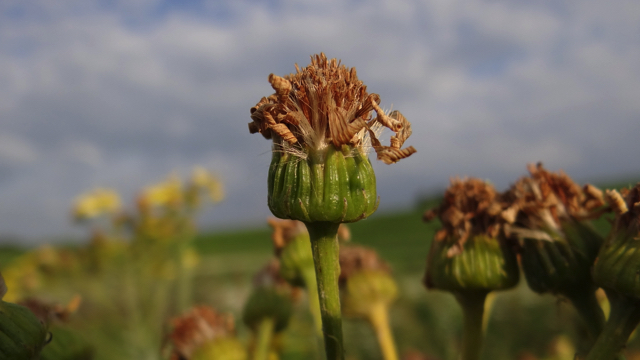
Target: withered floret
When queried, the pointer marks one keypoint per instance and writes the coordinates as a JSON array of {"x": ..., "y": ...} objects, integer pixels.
[
  {"x": 468, "y": 204},
  {"x": 325, "y": 103}
]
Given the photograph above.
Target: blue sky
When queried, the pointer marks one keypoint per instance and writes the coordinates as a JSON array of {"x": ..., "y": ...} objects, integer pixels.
[{"x": 120, "y": 93}]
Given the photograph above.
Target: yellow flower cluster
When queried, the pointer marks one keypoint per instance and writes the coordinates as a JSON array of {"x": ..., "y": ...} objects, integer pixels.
[{"x": 95, "y": 203}]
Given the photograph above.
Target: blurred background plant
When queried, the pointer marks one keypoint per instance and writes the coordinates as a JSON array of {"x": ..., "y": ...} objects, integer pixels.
[
  {"x": 135, "y": 270},
  {"x": 425, "y": 324}
]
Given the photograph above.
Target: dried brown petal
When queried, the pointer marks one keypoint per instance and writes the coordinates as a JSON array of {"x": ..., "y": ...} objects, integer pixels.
[
  {"x": 391, "y": 155},
  {"x": 616, "y": 202}
]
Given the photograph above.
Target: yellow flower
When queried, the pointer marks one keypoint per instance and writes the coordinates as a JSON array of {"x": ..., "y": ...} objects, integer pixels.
[
  {"x": 96, "y": 202},
  {"x": 166, "y": 193},
  {"x": 203, "y": 179}
]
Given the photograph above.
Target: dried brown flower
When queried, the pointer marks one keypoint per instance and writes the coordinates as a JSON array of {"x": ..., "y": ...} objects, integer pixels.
[
  {"x": 198, "y": 326},
  {"x": 358, "y": 258},
  {"x": 469, "y": 205},
  {"x": 325, "y": 103},
  {"x": 544, "y": 199}
]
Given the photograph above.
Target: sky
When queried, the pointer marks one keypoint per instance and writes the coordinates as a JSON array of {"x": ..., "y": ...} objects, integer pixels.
[{"x": 121, "y": 93}]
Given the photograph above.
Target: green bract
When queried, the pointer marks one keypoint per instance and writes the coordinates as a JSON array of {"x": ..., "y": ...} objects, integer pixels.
[
  {"x": 564, "y": 264},
  {"x": 334, "y": 186},
  {"x": 485, "y": 263},
  {"x": 619, "y": 258}
]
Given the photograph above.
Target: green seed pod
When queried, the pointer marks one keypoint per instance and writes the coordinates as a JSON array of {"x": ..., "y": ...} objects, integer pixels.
[
  {"x": 22, "y": 334},
  {"x": 225, "y": 348},
  {"x": 470, "y": 253},
  {"x": 485, "y": 263},
  {"x": 364, "y": 290},
  {"x": 562, "y": 265},
  {"x": 618, "y": 263},
  {"x": 334, "y": 186},
  {"x": 66, "y": 344}
]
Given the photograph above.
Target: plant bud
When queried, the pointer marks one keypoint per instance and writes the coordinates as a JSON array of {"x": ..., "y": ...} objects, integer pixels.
[
  {"x": 271, "y": 298},
  {"x": 320, "y": 120},
  {"x": 365, "y": 290},
  {"x": 470, "y": 252},
  {"x": 558, "y": 244}
]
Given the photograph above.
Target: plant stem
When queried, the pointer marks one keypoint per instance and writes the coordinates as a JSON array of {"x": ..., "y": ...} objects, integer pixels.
[
  {"x": 324, "y": 246},
  {"x": 472, "y": 303},
  {"x": 309, "y": 276},
  {"x": 589, "y": 309},
  {"x": 623, "y": 319},
  {"x": 379, "y": 318},
  {"x": 263, "y": 339}
]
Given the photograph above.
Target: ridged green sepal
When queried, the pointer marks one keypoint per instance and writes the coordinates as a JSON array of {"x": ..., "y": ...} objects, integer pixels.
[
  {"x": 485, "y": 263},
  {"x": 561, "y": 266},
  {"x": 618, "y": 265},
  {"x": 335, "y": 185}
]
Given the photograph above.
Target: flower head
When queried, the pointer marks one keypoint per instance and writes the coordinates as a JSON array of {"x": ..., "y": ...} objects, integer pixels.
[
  {"x": 469, "y": 206},
  {"x": 544, "y": 200},
  {"x": 325, "y": 103}
]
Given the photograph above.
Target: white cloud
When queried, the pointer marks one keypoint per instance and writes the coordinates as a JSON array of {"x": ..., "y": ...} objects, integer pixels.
[{"x": 94, "y": 95}]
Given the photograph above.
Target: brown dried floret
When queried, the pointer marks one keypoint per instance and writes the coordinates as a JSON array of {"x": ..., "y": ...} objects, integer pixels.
[
  {"x": 626, "y": 205},
  {"x": 544, "y": 199},
  {"x": 325, "y": 103},
  {"x": 469, "y": 206},
  {"x": 358, "y": 258},
  {"x": 198, "y": 326}
]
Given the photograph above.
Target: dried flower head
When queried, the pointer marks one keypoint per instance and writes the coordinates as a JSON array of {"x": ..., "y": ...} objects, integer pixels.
[
  {"x": 469, "y": 206},
  {"x": 325, "y": 103},
  {"x": 359, "y": 258},
  {"x": 545, "y": 199},
  {"x": 200, "y": 325}
]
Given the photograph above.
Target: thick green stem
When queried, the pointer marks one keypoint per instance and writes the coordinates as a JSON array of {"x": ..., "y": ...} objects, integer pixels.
[
  {"x": 263, "y": 339},
  {"x": 309, "y": 276},
  {"x": 623, "y": 319},
  {"x": 472, "y": 303},
  {"x": 379, "y": 318},
  {"x": 324, "y": 245},
  {"x": 591, "y": 313}
]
